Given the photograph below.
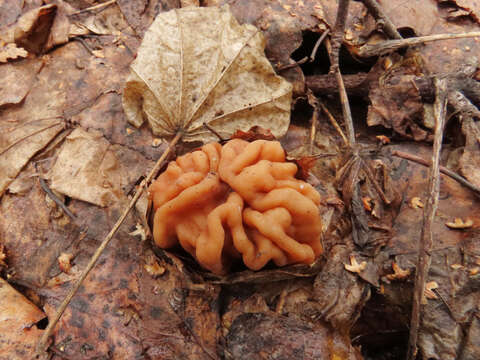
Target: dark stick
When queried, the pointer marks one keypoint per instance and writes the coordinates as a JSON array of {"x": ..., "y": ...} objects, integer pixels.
[
  {"x": 426, "y": 239},
  {"x": 310, "y": 58},
  {"x": 214, "y": 132},
  {"x": 443, "y": 170},
  {"x": 377, "y": 12},
  {"x": 333, "y": 49},
  {"x": 338, "y": 31},
  {"x": 55, "y": 198},
  {"x": 347, "y": 113}
]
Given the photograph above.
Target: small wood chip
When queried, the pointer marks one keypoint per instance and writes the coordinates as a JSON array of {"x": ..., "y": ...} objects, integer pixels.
[
  {"x": 429, "y": 287},
  {"x": 398, "y": 272},
  {"x": 139, "y": 231},
  {"x": 154, "y": 269},
  {"x": 458, "y": 223},
  {"x": 64, "y": 261},
  {"x": 354, "y": 266},
  {"x": 416, "y": 203}
]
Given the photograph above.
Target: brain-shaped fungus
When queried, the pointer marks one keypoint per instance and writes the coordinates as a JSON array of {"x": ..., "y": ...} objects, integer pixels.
[{"x": 239, "y": 200}]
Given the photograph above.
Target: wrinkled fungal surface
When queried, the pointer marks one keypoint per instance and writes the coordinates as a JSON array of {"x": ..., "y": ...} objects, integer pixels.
[{"x": 239, "y": 201}]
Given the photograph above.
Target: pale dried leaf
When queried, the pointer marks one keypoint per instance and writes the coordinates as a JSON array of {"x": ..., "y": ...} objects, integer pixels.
[
  {"x": 64, "y": 261},
  {"x": 429, "y": 287},
  {"x": 12, "y": 52},
  {"x": 3, "y": 257},
  {"x": 354, "y": 266},
  {"x": 17, "y": 324},
  {"x": 198, "y": 65},
  {"x": 416, "y": 203},
  {"x": 459, "y": 223},
  {"x": 18, "y": 143},
  {"x": 87, "y": 177},
  {"x": 139, "y": 231}
]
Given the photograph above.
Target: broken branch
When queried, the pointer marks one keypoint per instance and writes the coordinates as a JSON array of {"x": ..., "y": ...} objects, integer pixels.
[{"x": 426, "y": 238}]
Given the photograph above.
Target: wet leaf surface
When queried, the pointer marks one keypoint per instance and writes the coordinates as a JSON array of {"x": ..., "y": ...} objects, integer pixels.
[{"x": 18, "y": 319}]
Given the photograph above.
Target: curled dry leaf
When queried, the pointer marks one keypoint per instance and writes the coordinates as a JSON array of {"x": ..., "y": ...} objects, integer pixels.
[
  {"x": 429, "y": 287},
  {"x": 139, "y": 231},
  {"x": 367, "y": 203},
  {"x": 416, "y": 203},
  {"x": 12, "y": 52},
  {"x": 64, "y": 262},
  {"x": 198, "y": 65},
  {"x": 459, "y": 223},
  {"x": 354, "y": 266},
  {"x": 398, "y": 272},
  {"x": 3, "y": 257}
]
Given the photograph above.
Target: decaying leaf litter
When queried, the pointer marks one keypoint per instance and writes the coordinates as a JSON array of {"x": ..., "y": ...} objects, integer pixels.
[{"x": 139, "y": 306}]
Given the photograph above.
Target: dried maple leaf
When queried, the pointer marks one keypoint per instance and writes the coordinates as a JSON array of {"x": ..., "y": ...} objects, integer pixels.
[
  {"x": 354, "y": 266},
  {"x": 197, "y": 66}
]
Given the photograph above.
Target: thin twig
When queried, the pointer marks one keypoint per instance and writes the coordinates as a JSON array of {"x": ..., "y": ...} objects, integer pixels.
[
  {"x": 313, "y": 101},
  {"x": 333, "y": 49},
  {"x": 426, "y": 239},
  {"x": 42, "y": 344},
  {"x": 377, "y": 12},
  {"x": 306, "y": 59},
  {"x": 347, "y": 114},
  {"x": 333, "y": 122},
  {"x": 388, "y": 46},
  {"x": 214, "y": 132},
  {"x": 96, "y": 7},
  {"x": 443, "y": 170},
  {"x": 55, "y": 198}
]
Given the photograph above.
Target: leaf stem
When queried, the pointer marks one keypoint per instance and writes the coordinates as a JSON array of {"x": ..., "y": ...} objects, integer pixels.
[{"x": 42, "y": 344}]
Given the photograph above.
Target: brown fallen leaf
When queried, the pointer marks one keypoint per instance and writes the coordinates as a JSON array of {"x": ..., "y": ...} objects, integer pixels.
[
  {"x": 32, "y": 29},
  {"x": 398, "y": 272},
  {"x": 18, "y": 143},
  {"x": 354, "y": 266},
  {"x": 459, "y": 223},
  {"x": 18, "y": 317},
  {"x": 88, "y": 177},
  {"x": 198, "y": 65}
]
